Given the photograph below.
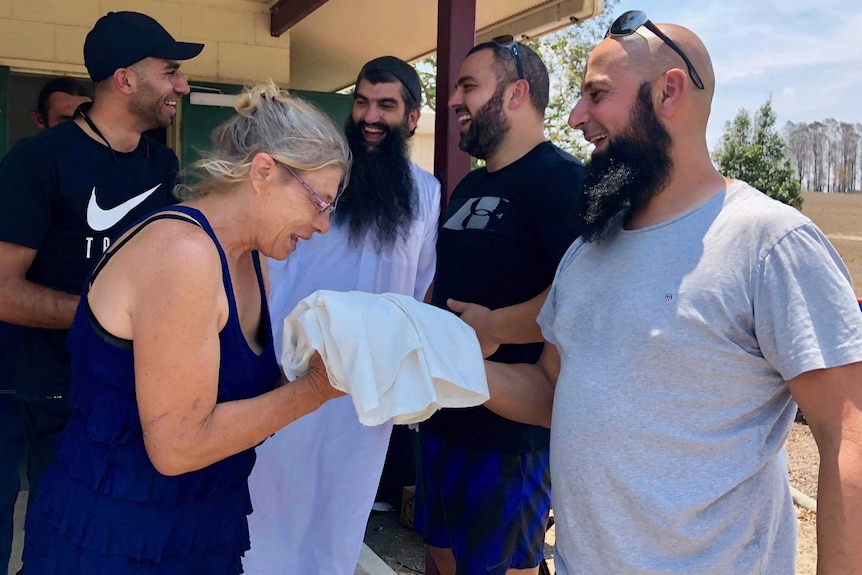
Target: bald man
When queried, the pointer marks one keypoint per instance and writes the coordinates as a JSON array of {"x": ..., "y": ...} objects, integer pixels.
[{"x": 680, "y": 330}]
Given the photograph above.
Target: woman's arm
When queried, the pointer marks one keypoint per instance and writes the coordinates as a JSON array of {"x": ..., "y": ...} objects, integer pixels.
[{"x": 177, "y": 308}]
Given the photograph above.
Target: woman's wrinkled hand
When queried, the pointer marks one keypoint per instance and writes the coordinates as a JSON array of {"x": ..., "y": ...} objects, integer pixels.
[{"x": 319, "y": 379}]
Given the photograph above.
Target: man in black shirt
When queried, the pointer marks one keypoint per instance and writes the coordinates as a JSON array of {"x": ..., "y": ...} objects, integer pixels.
[
  {"x": 66, "y": 193},
  {"x": 483, "y": 490},
  {"x": 56, "y": 103}
]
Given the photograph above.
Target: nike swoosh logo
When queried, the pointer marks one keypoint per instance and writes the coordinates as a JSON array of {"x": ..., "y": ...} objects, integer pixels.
[{"x": 100, "y": 219}]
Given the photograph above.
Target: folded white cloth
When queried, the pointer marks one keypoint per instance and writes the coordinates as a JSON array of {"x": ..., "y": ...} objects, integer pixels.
[{"x": 397, "y": 358}]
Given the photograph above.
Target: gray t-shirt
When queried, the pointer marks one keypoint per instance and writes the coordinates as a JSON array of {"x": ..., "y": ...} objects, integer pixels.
[{"x": 671, "y": 410}]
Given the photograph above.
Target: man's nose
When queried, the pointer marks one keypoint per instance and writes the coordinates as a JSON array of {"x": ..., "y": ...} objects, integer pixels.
[
  {"x": 372, "y": 115},
  {"x": 181, "y": 85},
  {"x": 577, "y": 117},
  {"x": 456, "y": 99}
]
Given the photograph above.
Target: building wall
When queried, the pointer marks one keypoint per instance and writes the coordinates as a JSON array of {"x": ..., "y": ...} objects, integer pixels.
[
  {"x": 422, "y": 142},
  {"x": 47, "y": 36}
]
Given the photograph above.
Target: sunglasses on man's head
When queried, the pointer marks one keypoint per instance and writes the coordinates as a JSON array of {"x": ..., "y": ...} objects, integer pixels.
[
  {"x": 628, "y": 23},
  {"x": 509, "y": 43}
]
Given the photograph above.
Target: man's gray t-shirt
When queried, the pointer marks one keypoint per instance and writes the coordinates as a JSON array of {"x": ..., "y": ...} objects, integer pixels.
[{"x": 671, "y": 409}]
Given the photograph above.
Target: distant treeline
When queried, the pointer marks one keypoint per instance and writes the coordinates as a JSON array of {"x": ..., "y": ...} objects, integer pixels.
[{"x": 825, "y": 155}]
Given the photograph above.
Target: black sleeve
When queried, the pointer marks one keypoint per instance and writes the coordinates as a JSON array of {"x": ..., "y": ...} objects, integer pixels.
[
  {"x": 557, "y": 208},
  {"x": 28, "y": 188}
]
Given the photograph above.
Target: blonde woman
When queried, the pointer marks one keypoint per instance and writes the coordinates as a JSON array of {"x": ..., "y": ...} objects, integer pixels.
[{"x": 174, "y": 377}]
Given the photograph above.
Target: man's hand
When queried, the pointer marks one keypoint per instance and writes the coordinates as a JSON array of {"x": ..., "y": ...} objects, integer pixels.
[
  {"x": 480, "y": 318},
  {"x": 511, "y": 324}
]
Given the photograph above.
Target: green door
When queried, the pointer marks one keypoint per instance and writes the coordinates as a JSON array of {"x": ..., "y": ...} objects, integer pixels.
[{"x": 4, "y": 110}]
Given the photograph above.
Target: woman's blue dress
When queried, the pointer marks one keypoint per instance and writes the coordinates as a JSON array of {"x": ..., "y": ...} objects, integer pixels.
[{"x": 102, "y": 508}]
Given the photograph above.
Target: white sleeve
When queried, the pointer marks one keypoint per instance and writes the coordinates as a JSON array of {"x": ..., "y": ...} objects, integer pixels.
[{"x": 429, "y": 206}]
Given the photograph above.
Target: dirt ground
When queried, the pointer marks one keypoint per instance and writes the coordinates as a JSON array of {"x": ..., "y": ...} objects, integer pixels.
[
  {"x": 840, "y": 218},
  {"x": 802, "y": 465}
]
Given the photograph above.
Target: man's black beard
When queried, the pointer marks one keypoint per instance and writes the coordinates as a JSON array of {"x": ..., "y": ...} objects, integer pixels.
[
  {"x": 635, "y": 166},
  {"x": 379, "y": 199},
  {"x": 488, "y": 127}
]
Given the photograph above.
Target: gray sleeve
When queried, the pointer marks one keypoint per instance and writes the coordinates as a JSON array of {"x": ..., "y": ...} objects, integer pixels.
[
  {"x": 805, "y": 312},
  {"x": 546, "y": 315}
]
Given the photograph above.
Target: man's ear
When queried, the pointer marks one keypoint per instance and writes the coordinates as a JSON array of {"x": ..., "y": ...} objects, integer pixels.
[
  {"x": 125, "y": 80},
  {"x": 413, "y": 119},
  {"x": 520, "y": 94},
  {"x": 673, "y": 87},
  {"x": 38, "y": 119}
]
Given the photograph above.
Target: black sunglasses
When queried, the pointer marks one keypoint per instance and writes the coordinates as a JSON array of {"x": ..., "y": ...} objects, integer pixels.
[
  {"x": 628, "y": 23},
  {"x": 509, "y": 43}
]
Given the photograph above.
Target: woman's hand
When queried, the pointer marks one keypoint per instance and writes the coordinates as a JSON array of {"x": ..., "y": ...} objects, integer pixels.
[{"x": 319, "y": 379}]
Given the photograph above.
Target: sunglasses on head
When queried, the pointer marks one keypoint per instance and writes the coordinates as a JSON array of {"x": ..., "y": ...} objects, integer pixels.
[
  {"x": 509, "y": 43},
  {"x": 628, "y": 23}
]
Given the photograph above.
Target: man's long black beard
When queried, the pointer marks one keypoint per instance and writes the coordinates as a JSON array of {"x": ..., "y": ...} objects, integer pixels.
[
  {"x": 633, "y": 169},
  {"x": 380, "y": 198}
]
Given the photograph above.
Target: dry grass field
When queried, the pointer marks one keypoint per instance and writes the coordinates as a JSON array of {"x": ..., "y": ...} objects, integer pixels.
[{"x": 840, "y": 218}]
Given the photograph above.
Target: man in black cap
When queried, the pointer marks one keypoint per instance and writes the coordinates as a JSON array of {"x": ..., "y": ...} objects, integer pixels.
[
  {"x": 311, "y": 518},
  {"x": 66, "y": 193}
]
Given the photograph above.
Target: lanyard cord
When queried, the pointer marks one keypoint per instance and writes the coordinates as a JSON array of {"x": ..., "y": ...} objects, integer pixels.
[{"x": 104, "y": 139}]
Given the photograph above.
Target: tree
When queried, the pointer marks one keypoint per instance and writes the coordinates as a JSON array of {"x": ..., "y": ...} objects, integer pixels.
[
  {"x": 565, "y": 54},
  {"x": 752, "y": 150},
  {"x": 427, "y": 70}
]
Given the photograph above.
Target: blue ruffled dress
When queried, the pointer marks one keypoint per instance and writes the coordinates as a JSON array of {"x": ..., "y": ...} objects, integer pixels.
[{"x": 102, "y": 508}]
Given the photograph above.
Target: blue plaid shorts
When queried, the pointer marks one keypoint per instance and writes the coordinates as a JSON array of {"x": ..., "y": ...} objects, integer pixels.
[{"x": 490, "y": 507}]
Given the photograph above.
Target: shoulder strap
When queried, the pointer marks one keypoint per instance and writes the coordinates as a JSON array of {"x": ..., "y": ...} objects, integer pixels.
[{"x": 115, "y": 248}]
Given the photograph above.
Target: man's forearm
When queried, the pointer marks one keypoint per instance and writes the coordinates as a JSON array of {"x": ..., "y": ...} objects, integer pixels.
[
  {"x": 511, "y": 324},
  {"x": 520, "y": 392},
  {"x": 28, "y": 304},
  {"x": 839, "y": 508},
  {"x": 517, "y": 323}
]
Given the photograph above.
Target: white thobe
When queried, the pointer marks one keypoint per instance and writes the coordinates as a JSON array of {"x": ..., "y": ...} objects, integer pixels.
[{"x": 315, "y": 480}]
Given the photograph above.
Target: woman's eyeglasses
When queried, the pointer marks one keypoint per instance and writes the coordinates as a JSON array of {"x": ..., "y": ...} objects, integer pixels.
[
  {"x": 325, "y": 208},
  {"x": 628, "y": 23},
  {"x": 509, "y": 43}
]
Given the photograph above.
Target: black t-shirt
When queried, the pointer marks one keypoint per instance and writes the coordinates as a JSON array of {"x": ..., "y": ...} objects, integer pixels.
[
  {"x": 501, "y": 240},
  {"x": 7, "y": 338},
  {"x": 67, "y": 196}
]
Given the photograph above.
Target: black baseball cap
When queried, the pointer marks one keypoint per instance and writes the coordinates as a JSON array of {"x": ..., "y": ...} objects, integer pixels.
[
  {"x": 398, "y": 68},
  {"x": 119, "y": 39}
]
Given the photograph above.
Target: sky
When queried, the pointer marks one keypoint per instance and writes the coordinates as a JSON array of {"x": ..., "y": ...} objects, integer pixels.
[{"x": 805, "y": 55}]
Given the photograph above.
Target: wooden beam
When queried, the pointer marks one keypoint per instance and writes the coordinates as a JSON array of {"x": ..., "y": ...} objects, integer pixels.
[
  {"x": 285, "y": 14},
  {"x": 456, "y": 34}
]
